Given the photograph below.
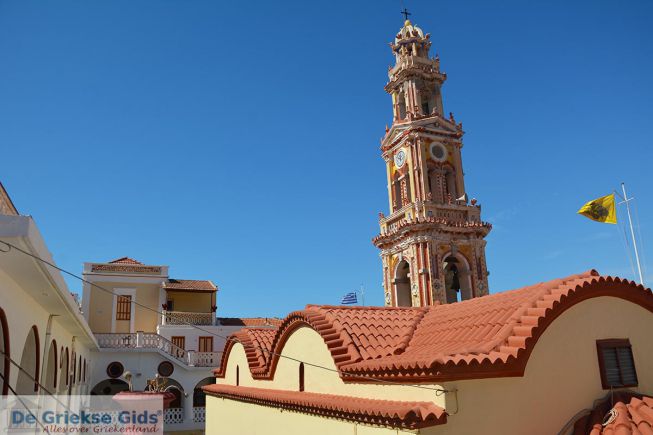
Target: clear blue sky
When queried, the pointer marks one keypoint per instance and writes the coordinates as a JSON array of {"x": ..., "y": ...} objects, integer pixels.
[{"x": 239, "y": 141}]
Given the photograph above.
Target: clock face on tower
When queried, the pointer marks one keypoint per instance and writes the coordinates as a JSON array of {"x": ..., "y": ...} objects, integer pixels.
[{"x": 400, "y": 158}]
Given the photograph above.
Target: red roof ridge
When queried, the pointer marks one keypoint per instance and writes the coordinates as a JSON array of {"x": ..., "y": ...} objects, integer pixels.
[
  {"x": 125, "y": 260},
  {"x": 488, "y": 336},
  {"x": 390, "y": 413}
]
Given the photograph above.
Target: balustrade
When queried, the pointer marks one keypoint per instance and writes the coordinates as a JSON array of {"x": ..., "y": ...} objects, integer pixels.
[
  {"x": 199, "y": 414},
  {"x": 173, "y": 416},
  {"x": 187, "y": 318}
]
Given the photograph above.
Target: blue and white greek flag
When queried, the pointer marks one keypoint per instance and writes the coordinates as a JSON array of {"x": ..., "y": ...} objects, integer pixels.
[{"x": 349, "y": 298}]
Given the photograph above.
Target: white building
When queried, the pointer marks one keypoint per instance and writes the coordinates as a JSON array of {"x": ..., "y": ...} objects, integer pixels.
[{"x": 132, "y": 317}]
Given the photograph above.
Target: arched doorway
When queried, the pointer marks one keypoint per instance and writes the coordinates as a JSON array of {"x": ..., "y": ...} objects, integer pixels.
[
  {"x": 402, "y": 284},
  {"x": 109, "y": 387},
  {"x": 177, "y": 389},
  {"x": 28, "y": 376},
  {"x": 5, "y": 355},
  {"x": 199, "y": 399},
  {"x": 51, "y": 368},
  {"x": 63, "y": 372},
  {"x": 457, "y": 278}
]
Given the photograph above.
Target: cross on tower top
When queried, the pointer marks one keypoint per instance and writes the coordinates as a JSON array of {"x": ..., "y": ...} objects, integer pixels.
[{"x": 405, "y": 13}]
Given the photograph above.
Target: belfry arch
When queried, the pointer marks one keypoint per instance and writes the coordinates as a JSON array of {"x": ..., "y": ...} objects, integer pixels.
[
  {"x": 402, "y": 284},
  {"x": 457, "y": 278}
]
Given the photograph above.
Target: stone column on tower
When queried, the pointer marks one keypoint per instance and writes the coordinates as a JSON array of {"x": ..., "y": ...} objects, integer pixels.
[{"x": 432, "y": 242}]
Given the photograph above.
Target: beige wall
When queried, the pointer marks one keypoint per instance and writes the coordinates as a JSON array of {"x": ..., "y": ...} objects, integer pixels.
[
  {"x": 561, "y": 379},
  {"x": 562, "y": 375},
  {"x": 101, "y": 307},
  {"x": 23, "y": 312},
  {"x": 191, "y": 302}
]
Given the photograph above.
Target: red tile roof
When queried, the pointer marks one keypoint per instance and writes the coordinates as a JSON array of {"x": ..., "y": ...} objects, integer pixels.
[
  {"x": 124, "y": 260},
  {"x": 249, "y": 321},
  {"x": 396, "y": 414},
  {"x": 482, "y": 337},
  {"x": 189, "y": 285},
  {"x": 631, "y": 413}
]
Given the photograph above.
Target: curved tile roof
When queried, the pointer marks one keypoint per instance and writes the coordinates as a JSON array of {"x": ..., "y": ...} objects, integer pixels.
[
  {"x": 393, "y": 413},
  {"x": 622, "y": 412},
  {"x": 189, "y": 285},
  {"x": 482, "y": 337}
]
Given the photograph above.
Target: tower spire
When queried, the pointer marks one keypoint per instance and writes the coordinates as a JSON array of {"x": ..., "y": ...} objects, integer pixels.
[{"x": 432, "y": 242}]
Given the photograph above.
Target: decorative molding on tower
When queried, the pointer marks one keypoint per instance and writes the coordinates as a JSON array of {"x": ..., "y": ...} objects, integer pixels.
[{"x": 432, "y": 241}]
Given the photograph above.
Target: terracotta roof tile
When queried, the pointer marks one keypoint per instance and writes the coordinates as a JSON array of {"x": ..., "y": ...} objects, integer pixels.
[
  {"x": 189, "y": 285},
  {"x": 250, "y": 321},
  {"x": 124, "y": 260},
  {"x": 392, "y": 413},
  {"x": 487, "y": 336},
  {"x": 631, "y": 414}
]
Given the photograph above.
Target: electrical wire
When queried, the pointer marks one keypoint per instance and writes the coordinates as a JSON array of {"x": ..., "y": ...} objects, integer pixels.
[
  {"x": 438, "y": 391},
  {"x": 33, "y": 379},
  {"x": 6, "y": 382}
]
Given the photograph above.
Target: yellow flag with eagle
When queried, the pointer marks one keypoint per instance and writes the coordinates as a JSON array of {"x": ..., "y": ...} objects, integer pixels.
[{"x": 601, "y": 209}]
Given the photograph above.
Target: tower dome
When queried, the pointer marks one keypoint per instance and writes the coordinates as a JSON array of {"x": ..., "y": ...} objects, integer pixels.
[{"x": 408, "y": 31}]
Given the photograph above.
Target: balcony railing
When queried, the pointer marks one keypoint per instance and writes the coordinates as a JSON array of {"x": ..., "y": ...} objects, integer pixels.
[
  {"x": 199, "y": 414},
  {"x": 173, "y": 416},
  {"x": 186, "y": 318},
  {"x": 148, "y": 340}
]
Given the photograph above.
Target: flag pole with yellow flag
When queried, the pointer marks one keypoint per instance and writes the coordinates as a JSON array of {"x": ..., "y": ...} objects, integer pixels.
[
  {"x": 604, "y": 210},
  {"x": 601, "y": 209}
]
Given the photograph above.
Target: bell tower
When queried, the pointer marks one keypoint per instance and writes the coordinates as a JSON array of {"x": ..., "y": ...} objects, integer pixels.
[{"x": 432, "y": 242}]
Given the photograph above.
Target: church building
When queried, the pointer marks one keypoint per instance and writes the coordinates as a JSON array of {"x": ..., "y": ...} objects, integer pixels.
[{"x": 568, "y": 356}]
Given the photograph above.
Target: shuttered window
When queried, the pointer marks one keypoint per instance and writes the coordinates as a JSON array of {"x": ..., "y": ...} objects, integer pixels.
[
  {"x": 124, "y": 309},
  {"x": 616, "y": 363}
]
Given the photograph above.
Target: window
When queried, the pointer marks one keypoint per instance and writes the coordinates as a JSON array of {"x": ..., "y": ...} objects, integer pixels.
[
  {"x": 237, "y": 375},
  {"x": 115, "y": 369},
  {"x": 206, "y": 344},
  {"x": 124, "y": 308},
  {"x": 165, "y": 369},
  {"x": 616, "y": 363},
  {"x": 301, "y": 376},
  {"x": 180, "y": 342},
  {"x": 171, "y": 305}
]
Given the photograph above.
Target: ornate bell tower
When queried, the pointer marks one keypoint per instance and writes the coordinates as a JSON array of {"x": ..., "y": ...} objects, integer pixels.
[{"x": 432, "y": 242}]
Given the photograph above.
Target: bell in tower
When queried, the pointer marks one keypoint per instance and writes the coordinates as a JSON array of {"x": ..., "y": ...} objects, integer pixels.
[{"x": 432, "y": 241}]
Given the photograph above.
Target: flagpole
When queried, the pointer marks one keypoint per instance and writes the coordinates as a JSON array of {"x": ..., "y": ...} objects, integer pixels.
[{"x": 632, "y": 233}]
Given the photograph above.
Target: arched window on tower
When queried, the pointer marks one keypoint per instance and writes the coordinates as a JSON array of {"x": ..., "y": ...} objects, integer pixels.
[
  {"x": 396, "y": 192},
  {"x": 457, "y": 279},
  {"x": 435, "y": 177},
  {"x": 301, "y": 376},
  {"x": 401, "y": 106},
  {"x": 426, "y": 101},
  {"x": 402, "y": 284},
  {"x": 450, "y": 179}
]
